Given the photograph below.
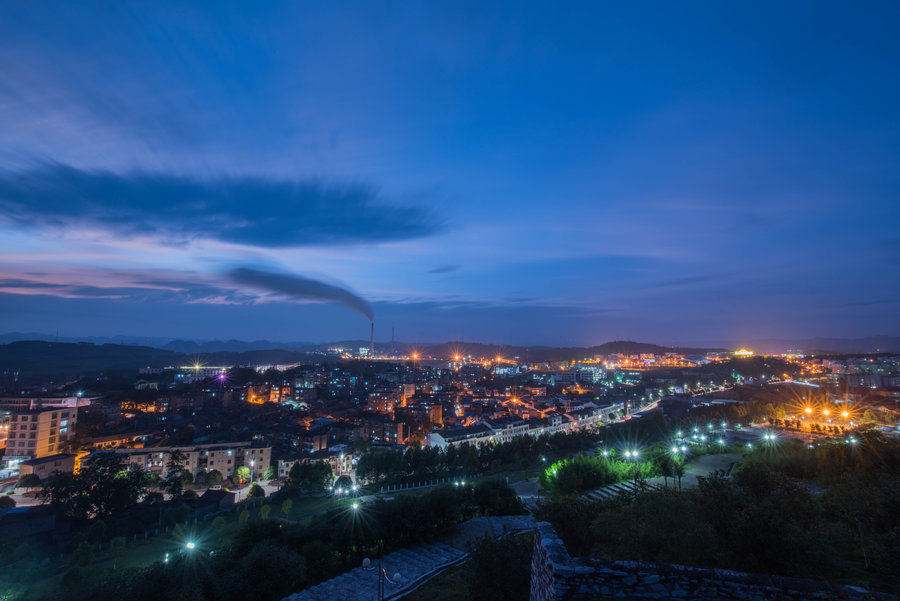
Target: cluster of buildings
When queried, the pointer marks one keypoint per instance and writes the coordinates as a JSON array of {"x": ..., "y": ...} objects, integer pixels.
[
  {"x": 864, "y": 372},
  {"x": 224, "y": 418},
  {"x": 504, "y": 429}
]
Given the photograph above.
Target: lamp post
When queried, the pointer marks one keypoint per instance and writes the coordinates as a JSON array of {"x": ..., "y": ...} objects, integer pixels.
[{"x": 382, "y": 577}]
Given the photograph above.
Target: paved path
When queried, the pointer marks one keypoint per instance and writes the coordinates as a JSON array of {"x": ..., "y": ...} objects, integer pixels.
[
  {"x": 415, "y": 565},
  {"x": 614, "y": 490}
]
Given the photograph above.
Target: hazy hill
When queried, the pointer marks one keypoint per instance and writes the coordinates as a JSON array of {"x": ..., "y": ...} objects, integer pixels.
[
  {"x": 37, "y": 357},
  {"x": 66, "y": 360}
]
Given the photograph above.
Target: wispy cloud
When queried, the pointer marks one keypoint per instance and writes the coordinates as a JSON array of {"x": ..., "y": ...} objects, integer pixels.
[
  {"x": 687, "y": 281},
  {"x": 245, "y": 210},
  {"x": 443, "y": 269}
]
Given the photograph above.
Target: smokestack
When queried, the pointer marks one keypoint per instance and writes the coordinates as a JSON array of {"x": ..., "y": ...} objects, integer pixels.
[{"x": 372, "y": 341}]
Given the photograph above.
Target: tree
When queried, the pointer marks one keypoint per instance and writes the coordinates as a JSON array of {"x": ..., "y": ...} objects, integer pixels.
[
  {"x": 242, "y": 473},
  {"x": 186, "y": 478},
  {"x": 243, "y": 516},
  {"x": 7, "y": 502},
  {"x": 117, "y": 548},
  {"x": 29, "y": 481},
  {"x": 214, "y": 477},
  {"x": 678, "y": 469},
  {"x": 256, "y": 492},
  {"x": 104, "y": 487},
  {"x": 286, "y": 507},
  {"x": 172, "y": 482},
  {"x": 314, "y": 475},
  {"x": 83, "y": 555},
  {"x": 218, "y": 524},
  {"x": 295, "y": 475},
  {"x": 343, "y": 482},
  {"x": 270, "y": 473},
  {"x": 667, "y": 468},
  {"x": 264, "y": 511}
]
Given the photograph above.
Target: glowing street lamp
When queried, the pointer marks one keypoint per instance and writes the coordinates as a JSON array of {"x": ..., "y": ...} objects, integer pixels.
[{"x": 190, "y": 545}]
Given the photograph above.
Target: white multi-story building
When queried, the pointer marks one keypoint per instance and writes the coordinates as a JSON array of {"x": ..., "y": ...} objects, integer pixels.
[{"x": 223, "y": 457}]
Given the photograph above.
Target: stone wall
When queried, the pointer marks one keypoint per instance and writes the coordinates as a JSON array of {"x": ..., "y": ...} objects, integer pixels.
[{"x": 555, "y": 576}]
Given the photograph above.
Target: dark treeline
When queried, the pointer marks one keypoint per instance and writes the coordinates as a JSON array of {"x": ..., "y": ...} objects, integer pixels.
[
  {"x": 764, "y": 519},
  {"x": 269, "y": 559}
]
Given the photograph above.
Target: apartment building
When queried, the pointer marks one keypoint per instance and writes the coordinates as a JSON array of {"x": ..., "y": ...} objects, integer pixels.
[
  {"x": 37, "y": 433},
  {"x": 224, "y": 457}
]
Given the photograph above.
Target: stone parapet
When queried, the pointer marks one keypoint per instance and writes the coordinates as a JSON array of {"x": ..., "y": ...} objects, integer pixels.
[{"x": 556, "y": 576}]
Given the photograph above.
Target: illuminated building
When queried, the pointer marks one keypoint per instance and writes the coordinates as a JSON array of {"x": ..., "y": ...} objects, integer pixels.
[
  {"x": 223, "y": 457},
  {"x": 38, "y": 433}
]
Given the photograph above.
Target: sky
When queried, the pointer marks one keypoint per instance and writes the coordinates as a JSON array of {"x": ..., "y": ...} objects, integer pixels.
[{"x": 503, "y": 172}]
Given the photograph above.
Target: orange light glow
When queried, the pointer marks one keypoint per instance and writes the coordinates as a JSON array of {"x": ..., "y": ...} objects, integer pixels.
[
  {"x": 845, "y": 414},
  {"x": 808, "y": 410}
]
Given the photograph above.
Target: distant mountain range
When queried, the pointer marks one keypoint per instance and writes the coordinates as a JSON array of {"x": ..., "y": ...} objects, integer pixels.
[{"x": 41, "y": 354}]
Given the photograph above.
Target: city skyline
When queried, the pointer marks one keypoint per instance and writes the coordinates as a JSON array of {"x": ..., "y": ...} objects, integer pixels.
[{"x": 469, "y": 173}]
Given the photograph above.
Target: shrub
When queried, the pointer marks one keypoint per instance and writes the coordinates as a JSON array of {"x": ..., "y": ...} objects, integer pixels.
[{"x": 28, "y": 481}]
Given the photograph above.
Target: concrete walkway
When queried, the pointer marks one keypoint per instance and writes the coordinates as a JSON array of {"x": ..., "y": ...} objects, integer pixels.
[{"x": 415, "y": 565}]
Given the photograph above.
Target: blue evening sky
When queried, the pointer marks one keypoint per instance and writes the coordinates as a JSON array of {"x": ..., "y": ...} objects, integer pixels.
[{"x": 534, "y": 173}]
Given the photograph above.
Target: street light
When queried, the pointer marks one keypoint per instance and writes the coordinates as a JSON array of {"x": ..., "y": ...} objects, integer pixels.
[
  {"x": 190, "y": 545},
  {"x": 382, "y": 576}
]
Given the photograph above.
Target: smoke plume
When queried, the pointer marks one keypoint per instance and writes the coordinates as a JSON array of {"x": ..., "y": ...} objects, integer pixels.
[{"x": 297, "y": 286}]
